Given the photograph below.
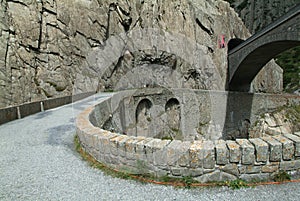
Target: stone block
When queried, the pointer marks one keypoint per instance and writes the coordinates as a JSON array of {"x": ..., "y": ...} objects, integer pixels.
[
  {"x": 234, "y": 151},
  {"x": 149, "y": 149},
  {"x": 177, "y": 171},
  {"x": 178, "y": 153},
  {"x": 114, "y": 142},
  {"x": 249, "y": 169},
  {"x": 195, "y": 154},
  {"x": 261, "y": 149},
  {"x": 231, "y": 168},
  {"x": 270, "y": 168},
  {"x": 255, "y": 177},
  {"x": 96, "y": 142},
  {"x": 104, "y": 140},
  {"x": 290, "y": 165},
  {"x": 173, "y": 152},
  {"x": 138, "y": 155},
  {"x": 192, "y": 172},
  {"x": 160, "y": 152},
  {"x": 275, "y": 148},
  {"x": 140, "y": 149},
  {"x": 288, "y": 148},
  {"x": 296, "y": 140},
  {"x": 209, "y": 159},
  {"x": 184, "y": 158},
  {"x": 202, "y": 154},
  {"x": 248, "y": 155},
  {"x": 215, "y": 176},
  {"x": 222, "y": 153},
  {"x": 130, "y": 148},
  {"x": 122, "y": 146}
]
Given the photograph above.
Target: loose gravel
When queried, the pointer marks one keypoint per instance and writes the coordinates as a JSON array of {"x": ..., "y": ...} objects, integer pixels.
[{"x": 38, "y": 162}]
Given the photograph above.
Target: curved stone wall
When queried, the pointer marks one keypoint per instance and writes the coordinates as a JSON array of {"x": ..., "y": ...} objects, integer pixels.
[{"x": 205, "y": 160}]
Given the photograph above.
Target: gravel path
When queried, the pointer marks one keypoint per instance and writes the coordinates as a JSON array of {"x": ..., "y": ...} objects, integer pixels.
[{"x": 38, "y": 162}]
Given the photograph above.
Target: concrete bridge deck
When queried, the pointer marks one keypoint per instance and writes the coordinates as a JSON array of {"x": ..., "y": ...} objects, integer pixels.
[{"x": 38, "y": 162}]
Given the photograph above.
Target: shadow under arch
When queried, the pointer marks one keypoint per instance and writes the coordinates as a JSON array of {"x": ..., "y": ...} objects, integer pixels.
[
  {"x": 172, "y": 109},
  {"x": 143, "y": 117},
  {"x": 234, "y": 42},
  {"x": 253, "y": 63}
]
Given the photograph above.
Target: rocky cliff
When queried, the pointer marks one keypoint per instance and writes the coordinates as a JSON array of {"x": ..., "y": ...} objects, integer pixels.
[{"x": 53, "y": 48}]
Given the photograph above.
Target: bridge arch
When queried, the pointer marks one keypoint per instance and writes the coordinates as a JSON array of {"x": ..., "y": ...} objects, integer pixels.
[{"x": 247, "y": 59}]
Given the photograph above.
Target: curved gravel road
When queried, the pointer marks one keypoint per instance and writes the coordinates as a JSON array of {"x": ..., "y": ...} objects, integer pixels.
[{"x": 38, "y": 162}]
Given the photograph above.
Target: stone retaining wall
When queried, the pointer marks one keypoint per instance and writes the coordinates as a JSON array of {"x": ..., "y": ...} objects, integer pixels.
[
  {"x": 188, "y": 115},
  {"x": 205, "y": 160}
]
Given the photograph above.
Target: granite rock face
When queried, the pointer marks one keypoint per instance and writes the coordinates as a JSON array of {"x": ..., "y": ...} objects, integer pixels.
[
  {"x": 258, "y": 14},
  {"x": 54, "y": 48}
]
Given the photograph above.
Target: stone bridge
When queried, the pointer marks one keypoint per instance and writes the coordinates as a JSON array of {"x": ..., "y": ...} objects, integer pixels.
[{"x": 246, "y": 59}]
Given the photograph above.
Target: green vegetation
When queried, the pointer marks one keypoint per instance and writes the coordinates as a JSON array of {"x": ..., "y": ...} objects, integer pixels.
[
  {"x": 237, "y": 184},
  {"x": 290, "y": 62},
  {"x": 167, "y": 138},
  {"x": 282, "y": 176}
]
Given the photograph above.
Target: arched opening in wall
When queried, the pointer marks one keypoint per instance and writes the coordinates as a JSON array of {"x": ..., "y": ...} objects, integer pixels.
[
  {"x": 234, "y": 43},
  {"x": 173, "y": 112},
  {"x": 143, "y": 117}
]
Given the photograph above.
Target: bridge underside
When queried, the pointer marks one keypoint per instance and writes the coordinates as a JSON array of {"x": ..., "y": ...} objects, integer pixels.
[
  {"x": 243, "y": 75},
  {"x": 249, "y": 57}
]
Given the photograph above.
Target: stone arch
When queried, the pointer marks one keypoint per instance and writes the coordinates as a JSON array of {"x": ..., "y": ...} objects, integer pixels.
[
  {"x": 247, "y": 59},
  {"x": 173, "y": 113},
  {"x": 254, "y": 61},
  {"x": 143, "y": 117}
]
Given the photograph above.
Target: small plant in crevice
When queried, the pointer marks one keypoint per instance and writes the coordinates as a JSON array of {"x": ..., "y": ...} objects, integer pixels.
[
  {"x": 282, "y": 176},
  {"x": 188, "y": 181},
  {"x": 237, "y": 184}
]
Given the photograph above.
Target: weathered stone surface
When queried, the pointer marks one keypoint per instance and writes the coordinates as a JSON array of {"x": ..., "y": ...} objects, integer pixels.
[
  {"x": 234, "y": 151},
  {"x": 114, "y": 144},
  {"x": 105, "y": 141},
  {"x": 193, "y": 172},
  {"x": 195, "y": 156},
  {"x": 166, "y": 43},
  {"x": 184, "y": 160},
  {"x": 160, "y": 152},
  {"x": 248, "y": 156},
  {"x": 296, "y": 140},
  {"x": 202, "y": 154},
  {"x": 288, "y": 148},
  {"x": 215, "y": 176},
  {"x": 280, "y": 122},
  {"x": 173, "y": 152},
  {"x": 260, "y": 13},
  {"x": 255, "y": 177},
  {"x": 231, "y": 169},
  {"x": 130, "y": 148},
  {"x": 290, "y": 165},
  {"x": 140, "y": 149},
  {"x": 249, "y": 169},
  {"x": 209, "y": 159},
  {"x": 297, "y": 133},
  {"x": 270, "y": 168},
  {"x": 140, "y": 155},
  {"x": 222, "y": 153},
  {"x": 275, "y": 148},
  {"x": 261, "y": 149}
]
